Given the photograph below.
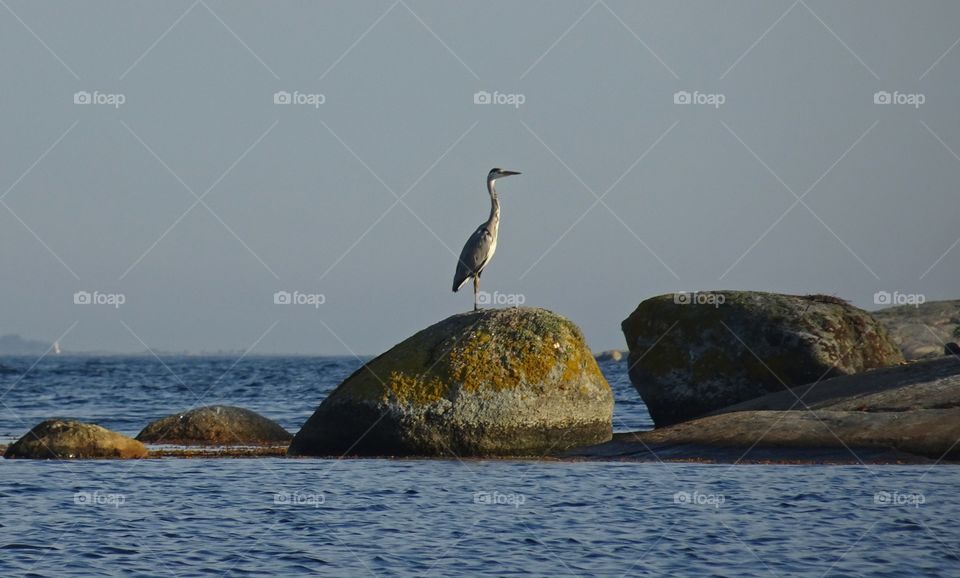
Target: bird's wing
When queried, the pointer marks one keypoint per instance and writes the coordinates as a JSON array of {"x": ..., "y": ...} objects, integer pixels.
[{"x": 473, "y": 257}]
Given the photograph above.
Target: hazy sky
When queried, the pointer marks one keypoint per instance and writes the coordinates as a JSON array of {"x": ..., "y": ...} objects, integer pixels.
[{"x": 625, "y": 194}]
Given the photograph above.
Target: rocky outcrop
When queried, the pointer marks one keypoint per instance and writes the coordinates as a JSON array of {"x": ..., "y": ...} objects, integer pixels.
[
  {"x": 62, "y": 439},
  {"x": 499, "y": 382},
  {"x": 215, "y": 425},
  {"x": 691, "y": 354},
  {"x": 922, "y": 330},
  {"x": 904, "y": 413}
]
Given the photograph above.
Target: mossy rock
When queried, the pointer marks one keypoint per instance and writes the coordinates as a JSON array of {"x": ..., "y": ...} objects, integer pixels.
[
  {"x": 62, "y": 439},
  {"x": 215, "y": 425},
  {"x": 689, "y": 357},
  {"x": 499, "y": 382}
]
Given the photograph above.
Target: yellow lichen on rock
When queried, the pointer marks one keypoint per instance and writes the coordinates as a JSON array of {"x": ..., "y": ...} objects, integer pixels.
[
  {"x": 414, "y": 389},
  {"x": 494, "y": 382}
]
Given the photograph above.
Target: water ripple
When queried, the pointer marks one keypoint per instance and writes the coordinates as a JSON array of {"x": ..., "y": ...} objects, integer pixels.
[{"x": 423, "y": 517}]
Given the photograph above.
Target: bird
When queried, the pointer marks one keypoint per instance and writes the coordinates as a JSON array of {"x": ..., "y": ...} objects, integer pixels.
[{"x": 482, "y": 244}]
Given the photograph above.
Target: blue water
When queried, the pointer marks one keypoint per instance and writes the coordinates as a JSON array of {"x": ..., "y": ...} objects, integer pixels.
[
  {"x": 289, "y": 517},
  {"x": 126, "y": 393}
]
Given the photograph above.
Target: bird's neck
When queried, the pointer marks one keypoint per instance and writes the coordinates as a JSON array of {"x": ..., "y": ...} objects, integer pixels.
[{"x": 494, "y": 220}]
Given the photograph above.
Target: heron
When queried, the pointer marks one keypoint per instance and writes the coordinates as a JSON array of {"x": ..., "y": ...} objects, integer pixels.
[{"x": 482, "y": 244}]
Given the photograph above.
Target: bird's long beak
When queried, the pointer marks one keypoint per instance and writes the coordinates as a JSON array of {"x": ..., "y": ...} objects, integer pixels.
[{"x": 509, "y": 173}]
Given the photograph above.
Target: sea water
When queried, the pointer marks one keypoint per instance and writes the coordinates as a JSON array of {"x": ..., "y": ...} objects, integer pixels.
[{"x": 357, "y": 517}]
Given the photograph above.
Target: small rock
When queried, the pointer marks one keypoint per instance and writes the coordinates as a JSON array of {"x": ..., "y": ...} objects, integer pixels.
[
  {"x": 611, "y": 355},
  {"x": 61, "y": 439},
  {"x": 214, "y": 425}
]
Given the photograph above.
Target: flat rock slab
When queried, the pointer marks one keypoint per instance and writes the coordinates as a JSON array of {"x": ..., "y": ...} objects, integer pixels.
[
  {"x": 219, "y": 425},
  {"x": 909, "y": 413},
  {"x": 629, "y": 447},
  {"x": 930, "y": 384},
  {"x": 219, "y": 452},
  {"x": 62, "y": 439}
]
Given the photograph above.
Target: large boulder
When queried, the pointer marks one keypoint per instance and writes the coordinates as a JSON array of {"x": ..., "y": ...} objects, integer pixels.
[
  {"x": 887, "y": 414},
  {"x": 922, "y": 330},
  {"x": 694, "y": 353},
  {"x": 497, "y": 382},
  {"x": 215, "y": 425},
  {"x": 61, "y": 439}
]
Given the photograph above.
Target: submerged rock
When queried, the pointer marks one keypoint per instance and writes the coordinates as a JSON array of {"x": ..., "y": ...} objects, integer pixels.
[
  {"x": 903, "y": 411},
  {"x": 70, "y": 439},
  {"x": 690, "y": 355},
  {"x": 514, "y": 382},
  {"x": 215, "y": 425}
]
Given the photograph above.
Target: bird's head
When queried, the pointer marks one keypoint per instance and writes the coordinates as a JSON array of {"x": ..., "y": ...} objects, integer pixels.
[{"x": 496, "y": 173}]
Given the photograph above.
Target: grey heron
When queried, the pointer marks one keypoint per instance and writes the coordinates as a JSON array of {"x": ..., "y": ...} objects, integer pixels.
[{"x": 482, "y": 244}]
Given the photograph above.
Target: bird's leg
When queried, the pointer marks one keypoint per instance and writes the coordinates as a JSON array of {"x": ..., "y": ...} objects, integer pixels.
[{"x": 476, "y": 292}]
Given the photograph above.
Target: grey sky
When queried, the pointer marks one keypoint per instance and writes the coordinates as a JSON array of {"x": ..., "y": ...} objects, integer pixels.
[{"x": 291, "y": 208}]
